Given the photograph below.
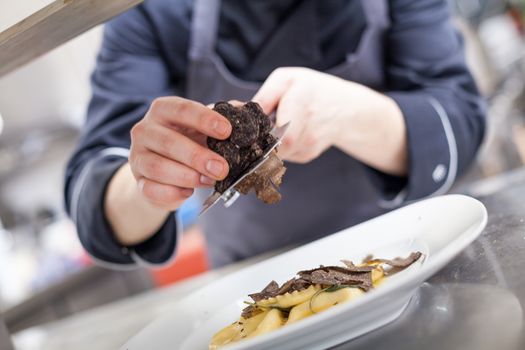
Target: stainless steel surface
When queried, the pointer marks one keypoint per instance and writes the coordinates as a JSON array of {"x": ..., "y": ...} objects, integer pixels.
[
  {"x": 110, "y": 326},
  {"x": 451, "y": 316},
  {"x": 475, "y": 302},
  {"x": 75, "y": 293},
  {"x": 231, "y": 194}
]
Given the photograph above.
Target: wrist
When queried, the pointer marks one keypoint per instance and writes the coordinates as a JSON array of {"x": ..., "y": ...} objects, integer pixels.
[
  {"x": 360, "y": 105},
  {"x": 132, "y": 219},
  {"x": 373, "y": 131}
]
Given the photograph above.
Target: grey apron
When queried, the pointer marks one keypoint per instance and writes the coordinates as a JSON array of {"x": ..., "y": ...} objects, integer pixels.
[{"x": 321, "y": 197}]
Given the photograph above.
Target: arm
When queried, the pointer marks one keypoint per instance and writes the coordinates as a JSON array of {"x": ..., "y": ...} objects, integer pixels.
[
  {"x": 121, "y": 215},
  {"x": 429, "y": 80},
  {"x": 328, "y": 111},
  {"x": 425, "y": 128},
  {"x": 168, "y": 159},
  {"x": 121, "y": 94}
]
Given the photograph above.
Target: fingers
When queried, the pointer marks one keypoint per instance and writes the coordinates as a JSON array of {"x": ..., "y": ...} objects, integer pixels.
[
  {"x": 169, "y": 157},
  {"x": 300, "y": 155},
  {"x": 236, "y": 103},
  {"x": 165, "y": 171},
  {"x": 290, "y": 109},
  {"x": 303, "y": 156},
  {"x": 162, "y": 195},
  {"x": 177, "y": 147},
  {"x": 274, "y": 88},
  {"x": 176, "y": 111},
  {"x": 308, "y": 146}
]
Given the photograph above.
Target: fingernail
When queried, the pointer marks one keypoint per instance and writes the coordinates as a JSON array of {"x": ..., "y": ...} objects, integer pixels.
[
  {"x": 215, "y": 167},
  {"x": 186, "y": 192},
  {"x": 207, "y": 180},
  {"x": 221, "y": 127}
]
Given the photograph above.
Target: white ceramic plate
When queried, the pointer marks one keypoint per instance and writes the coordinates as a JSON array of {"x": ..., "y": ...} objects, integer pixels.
[{"x": 439, "y": 227}]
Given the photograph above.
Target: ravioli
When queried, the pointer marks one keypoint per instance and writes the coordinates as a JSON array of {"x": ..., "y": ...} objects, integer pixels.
[
  {"x": 290, "y": 299},
  {"x": 272, "y": 320},
  {"x": 313, "y": 291}
]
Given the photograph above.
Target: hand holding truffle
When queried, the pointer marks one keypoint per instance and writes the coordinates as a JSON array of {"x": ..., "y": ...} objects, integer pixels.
[
  {"x": 168, "y": 160},
  {"x": 327, "y": 111},
  {"x": 169, "y": 157}
]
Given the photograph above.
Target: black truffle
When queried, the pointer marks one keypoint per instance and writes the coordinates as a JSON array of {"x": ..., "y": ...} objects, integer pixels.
[{"x": 249, "y": 139}]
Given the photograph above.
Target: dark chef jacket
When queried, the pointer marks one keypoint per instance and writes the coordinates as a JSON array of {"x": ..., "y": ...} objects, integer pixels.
[{"x": 144, "y": 55}]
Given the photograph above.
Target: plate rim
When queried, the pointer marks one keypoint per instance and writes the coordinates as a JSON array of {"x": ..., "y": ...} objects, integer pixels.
[
  {"x": 411, "y": 280},
  {"x": 426, "y": 270}
]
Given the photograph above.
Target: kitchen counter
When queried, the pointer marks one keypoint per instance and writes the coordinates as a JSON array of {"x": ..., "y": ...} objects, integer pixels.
[{"x": 475, "y": 302}]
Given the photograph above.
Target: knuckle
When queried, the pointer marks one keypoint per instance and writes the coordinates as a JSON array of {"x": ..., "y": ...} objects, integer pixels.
[
  {"x": 178, "y": 100},
  {"x": 137, "y": 130},
  {"x": 189, "y": 178},
  {"x": 135, "y": 162},
  {"x": 288, "y": 142},
  {"x": 235, "y": 102},
  {"x": 181, "y": 105},
  {"x": 149, "y": 193},
  {"x": 204, "y": 122},
  {"x": 157, "y": 104},
  {"x": 133, "y": 153},
  {"x": 311, "y": 140},
  {"x": 166, "y": 144},
  {"x": 305, "y": 70},
  {"x": 155, "y": 169},
  {"x": 279, "y": 70},
  {"x": 276, "y": 73},
  {"x": 195, "y": 156}
]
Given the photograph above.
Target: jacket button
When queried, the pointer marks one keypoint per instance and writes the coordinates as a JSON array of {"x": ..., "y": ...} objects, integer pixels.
[{"x": 439, "y": 173}]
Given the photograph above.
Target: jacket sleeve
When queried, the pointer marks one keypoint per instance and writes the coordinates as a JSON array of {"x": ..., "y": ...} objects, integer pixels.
[
  {"x": 444, "y": 113},
  {"x": 130, "y": 72}
]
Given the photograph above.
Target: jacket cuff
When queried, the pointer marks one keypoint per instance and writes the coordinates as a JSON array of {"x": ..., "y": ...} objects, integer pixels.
[
  {"x": 392, "y": 189},
  {"x": 432, "y": 150},
  {"x": 94, "y": 230}
]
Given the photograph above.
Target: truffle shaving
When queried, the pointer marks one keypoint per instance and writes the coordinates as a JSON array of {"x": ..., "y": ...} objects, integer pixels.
[{"x": 336, "y": 276}]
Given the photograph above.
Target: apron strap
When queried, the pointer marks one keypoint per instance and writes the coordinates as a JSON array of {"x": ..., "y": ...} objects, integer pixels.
[
  {"x": 376, "y": 12},
  {"x": 204, "y": 27}
]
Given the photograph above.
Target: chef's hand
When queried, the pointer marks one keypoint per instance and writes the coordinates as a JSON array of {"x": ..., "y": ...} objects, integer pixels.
[
  {"x": 168, "y": 160},
  {"x": 327, "y": 111},
  {"x": 169, "y": 156}
]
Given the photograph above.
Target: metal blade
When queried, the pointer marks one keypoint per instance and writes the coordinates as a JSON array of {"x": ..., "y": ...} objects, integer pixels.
[
  {"x": 210, "y": 202},
  {"x": 279, "y": 132},
  {"x": 229, "y": 195}
]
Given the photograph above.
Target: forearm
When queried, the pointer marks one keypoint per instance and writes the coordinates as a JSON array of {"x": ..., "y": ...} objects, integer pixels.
[
  {"x": 375, "y": 133},
  {"x": 131, "y": 217}
]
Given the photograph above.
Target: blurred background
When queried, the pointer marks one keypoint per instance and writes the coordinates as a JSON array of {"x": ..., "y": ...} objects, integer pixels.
[{"x": 44, "y": 273}]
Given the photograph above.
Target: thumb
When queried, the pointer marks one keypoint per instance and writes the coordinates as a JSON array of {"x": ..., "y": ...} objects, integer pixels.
[{"x": 273, "y": 89}]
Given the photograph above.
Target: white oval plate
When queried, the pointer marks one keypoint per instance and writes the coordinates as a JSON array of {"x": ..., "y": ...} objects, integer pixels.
[{"x": 439, "y": 227}]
